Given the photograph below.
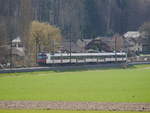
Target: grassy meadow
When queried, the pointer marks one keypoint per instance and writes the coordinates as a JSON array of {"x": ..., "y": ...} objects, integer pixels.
[{"x": 104, "y": 85}]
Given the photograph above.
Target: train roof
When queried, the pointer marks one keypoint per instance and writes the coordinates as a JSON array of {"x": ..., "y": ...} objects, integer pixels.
[{"x": 86, "y": 54}]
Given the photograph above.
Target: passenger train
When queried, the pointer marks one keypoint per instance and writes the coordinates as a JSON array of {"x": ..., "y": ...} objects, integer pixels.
[{"x": 80, "y": 58}]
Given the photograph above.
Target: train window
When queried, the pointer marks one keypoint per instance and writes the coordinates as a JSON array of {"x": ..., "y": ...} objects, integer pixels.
[
  {"x": 42, "y": 57},
  {"x": 52, "y": 57}
]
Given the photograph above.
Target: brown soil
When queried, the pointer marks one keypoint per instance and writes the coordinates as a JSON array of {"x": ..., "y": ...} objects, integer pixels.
[{"x": 48, "y": 105}]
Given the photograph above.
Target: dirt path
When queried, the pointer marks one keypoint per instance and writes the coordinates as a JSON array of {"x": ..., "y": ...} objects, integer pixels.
[{"x": 48, "y": 105}]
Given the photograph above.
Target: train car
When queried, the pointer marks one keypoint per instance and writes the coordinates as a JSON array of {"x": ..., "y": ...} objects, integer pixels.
[{"x": 79, "y": 58}]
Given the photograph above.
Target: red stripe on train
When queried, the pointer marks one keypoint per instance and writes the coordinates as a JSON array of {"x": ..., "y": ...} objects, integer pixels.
[{"x": 41, "y": 61}]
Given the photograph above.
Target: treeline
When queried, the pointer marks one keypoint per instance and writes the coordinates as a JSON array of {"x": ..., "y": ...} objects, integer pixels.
[
  {"x": 78, "y": 18},
  {"x": 16, "y": 20},
  {"x": 75, "y": 18},
  {"x": 91, "y": 18}
]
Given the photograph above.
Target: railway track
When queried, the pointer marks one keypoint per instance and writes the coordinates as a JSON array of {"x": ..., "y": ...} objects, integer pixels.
[{"x": 68, "y": 67}]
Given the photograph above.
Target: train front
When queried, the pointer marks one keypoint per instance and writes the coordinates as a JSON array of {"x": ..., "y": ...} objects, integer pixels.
[{"x": 41, "y": 58}]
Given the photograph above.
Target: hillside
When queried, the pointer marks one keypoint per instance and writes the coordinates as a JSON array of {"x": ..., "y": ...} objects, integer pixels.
[{"x": 80, "y": 18}]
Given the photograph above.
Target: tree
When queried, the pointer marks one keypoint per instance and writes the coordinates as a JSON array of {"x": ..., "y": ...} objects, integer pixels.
[
  {"x": 3, "y": 43},
  {"x": 25, "y": 20},
  {"x": 44, "y": 38}
]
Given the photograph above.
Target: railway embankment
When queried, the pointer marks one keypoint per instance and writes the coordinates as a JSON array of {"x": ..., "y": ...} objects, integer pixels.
[{"x": 72, "y": 67}]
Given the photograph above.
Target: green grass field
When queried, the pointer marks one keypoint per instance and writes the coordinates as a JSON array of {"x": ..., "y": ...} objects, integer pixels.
[
  {"x": 112, "y": 85},
  {"x": 58, "y": 111}
]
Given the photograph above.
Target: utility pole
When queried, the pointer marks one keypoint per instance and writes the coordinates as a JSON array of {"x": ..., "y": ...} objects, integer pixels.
[
  {"x": 70, "y": 42},
  {"x": 10, "y": 53},
  {"x": 70, "y": 49},
  {"x": 116, "y": 48},
  {"x": 36, "y": 42},
  {"x": 53, "y": 46},
  {"x": 9, "y": 35}
]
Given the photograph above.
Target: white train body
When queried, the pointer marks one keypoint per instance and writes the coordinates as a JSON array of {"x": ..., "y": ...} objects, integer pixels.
[{"x": 64, "y": 58}]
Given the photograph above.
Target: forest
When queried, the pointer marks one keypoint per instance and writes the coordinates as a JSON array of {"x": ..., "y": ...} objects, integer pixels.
[
  {"x": 73, "y": 19},
  {"x": 77, "y": 18}
]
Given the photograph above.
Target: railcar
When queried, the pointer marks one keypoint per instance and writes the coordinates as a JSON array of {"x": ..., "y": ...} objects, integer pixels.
[{"x": 79, "y": 58}]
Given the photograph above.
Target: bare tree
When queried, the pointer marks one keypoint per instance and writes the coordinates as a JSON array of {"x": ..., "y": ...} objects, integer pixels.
[
  {"x": 25, "y": 21},
  {"x": 3, "y": 43},
  {"x": 44, "y": 38}
]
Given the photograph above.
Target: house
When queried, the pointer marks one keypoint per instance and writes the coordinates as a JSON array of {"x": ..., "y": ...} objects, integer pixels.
[
  {"x": 146, "y": 45},
  {"x": 132, "y": 41},
  {"x": 82, "y": 43},
  {"x": 68, "y": 45},
  {"x": 99, "y": 44},
  {"x": 17, "y": 47},
  {"x": 14, "y": 53},
  {"x": 107, "y": 44}
]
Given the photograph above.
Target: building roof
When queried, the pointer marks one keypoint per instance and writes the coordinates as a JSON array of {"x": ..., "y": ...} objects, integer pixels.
[
  {"x": 74, "y": 47},
  {"x": 132, "y": 34},
  {"x": 16, "y": 40},
  {"x": 18, "y": 51}
]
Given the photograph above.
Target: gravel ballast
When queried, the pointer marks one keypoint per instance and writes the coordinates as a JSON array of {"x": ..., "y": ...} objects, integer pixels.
[{"x": 49, "y": 105}]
